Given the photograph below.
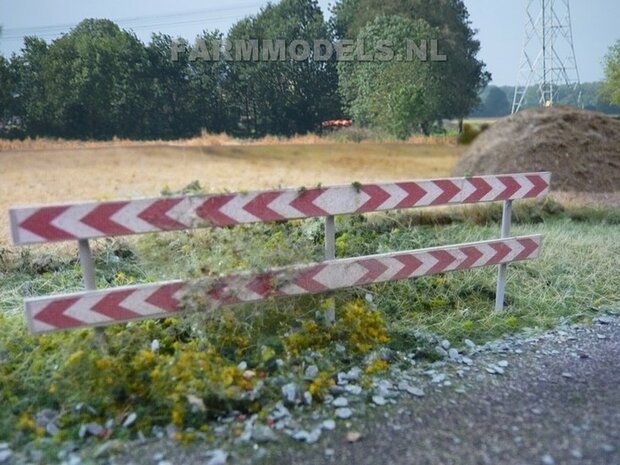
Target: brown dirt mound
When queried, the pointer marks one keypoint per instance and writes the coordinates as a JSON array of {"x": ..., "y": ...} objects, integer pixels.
[{"x": 580, "y": 148}]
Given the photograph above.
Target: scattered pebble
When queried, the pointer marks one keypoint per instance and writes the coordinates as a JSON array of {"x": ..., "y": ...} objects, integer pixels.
[
  {"x": 353, "y": 436},
  {"x": 353, "y": 389},
  {"x": 340, "y": 402},
  {"x": 567, "y": 375},
  {"x": 308, "y": 437},
  {"x": 502, "y": 363},
  {"x": 344, "y": 413},
  {"x": 311, "y": 373},
  {"x": 5, "y": 455},
  {"x": 329, "y": 424},
  {"x": 454, "y": 355},
  {"x": 445, "y": 344},
  {"x": 262, "y": 434},
  {"x": 130, "y": 419},
  {"x": 289, "y": 392},
  {"x": 379, "y": 400},
  {"x": 608, "y": 448},
  {"x": 547, "y": 460},
  {"x": 217, "y": 457}
]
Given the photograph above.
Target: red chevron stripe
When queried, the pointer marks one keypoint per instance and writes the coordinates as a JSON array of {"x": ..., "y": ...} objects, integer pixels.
[
  {"x": 482, "y": 189},
  {"x": 530, "y": 246},
  {"x": 156, "y": 214},
  {"x": 210, "y": 210},
  {"x": 111, "y": 307},
  {"x": 501, "y": 250},
  {"x": 221, "y": 291},
  {"x": 450, "y": 190},
  {"x": 473, "y": 254},
  {"x": 540, "y": 184},
  {"x": 414, "y": 194},
  {"x": 259, "y": 207},
  {"x": 53, "y": 314},
  {"x": 410, "y": 265},
  {"x": 374, "y": 267},
  {"x": 377, "y": 197},
  {"x": 262, "y": 285},
  {"x": 100, "y": 219},
  {"x": 305, "y": 279},
  {"x": 164, "y": 297},
  {"x": 40, "y": 223},
  {"x": 512, "y": 186},
  {"x": 444, "y": 260},
  {"x": 304, "y": 202}
]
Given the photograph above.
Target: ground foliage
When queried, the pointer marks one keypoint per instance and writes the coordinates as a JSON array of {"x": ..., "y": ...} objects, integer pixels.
[{"x": 181, "y": 373}]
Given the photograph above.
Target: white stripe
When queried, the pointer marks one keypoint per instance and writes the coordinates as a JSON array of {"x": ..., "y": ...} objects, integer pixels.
[
  {"x": 282, "y": 205},
  {"x": 234, "y": 208},
  {"x": 338, "y": 200},
  {"x": 185, "y": 211},
  {"x": 428, "y": 261},
  {"x": 81, "y": 310},
  {"x": 397, "y": 195},
  {"x": 526, "y": 186},
  {"x": 128, "y": 216},
  {"x": 71, "y": 221},
  {"x": 136, "y": 302},
  {"x": 497, "y": 187},
  {"x": 488, "y": 253},
  {"x": 467, "y": 189},
  {"x": 432, "y": 192}
]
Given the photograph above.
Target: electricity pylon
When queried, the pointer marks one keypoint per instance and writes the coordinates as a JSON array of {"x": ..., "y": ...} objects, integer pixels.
[{"x": 548, "y": 55}]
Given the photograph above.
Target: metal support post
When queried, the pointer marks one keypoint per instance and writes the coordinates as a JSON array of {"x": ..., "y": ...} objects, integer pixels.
[
  {"x": 330, "y": 254},
  {"x": 501, "y": 274},
  {"x": 90, "y": 284}
]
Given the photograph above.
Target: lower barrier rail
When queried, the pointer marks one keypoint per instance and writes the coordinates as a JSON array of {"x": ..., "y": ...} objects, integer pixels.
[{"x": 165, "y": 299}]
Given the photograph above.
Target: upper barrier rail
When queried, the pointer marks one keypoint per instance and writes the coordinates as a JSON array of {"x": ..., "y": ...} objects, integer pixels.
[{"x": 89, "y": 220}]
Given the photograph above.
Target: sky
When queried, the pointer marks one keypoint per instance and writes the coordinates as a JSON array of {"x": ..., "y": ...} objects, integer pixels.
[{"x": 500, "y": 25}]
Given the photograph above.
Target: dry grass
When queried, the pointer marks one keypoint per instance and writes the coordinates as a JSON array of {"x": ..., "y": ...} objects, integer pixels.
[
  {"x": 205, "y": 139},
  {"x": 100, "y": 171}
]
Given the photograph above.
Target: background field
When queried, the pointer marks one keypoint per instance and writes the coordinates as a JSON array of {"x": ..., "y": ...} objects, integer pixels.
[{"x": 100, "y": 172}]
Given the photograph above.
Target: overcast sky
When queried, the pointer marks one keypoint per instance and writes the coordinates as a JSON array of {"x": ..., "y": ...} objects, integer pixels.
[{"x": 500, "y": 24}]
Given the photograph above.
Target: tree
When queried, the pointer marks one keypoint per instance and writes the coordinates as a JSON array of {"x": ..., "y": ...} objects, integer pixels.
[
  {"x": 495, "y": 103},
  {"x": 285, "y": 96},
  {"x": 29, "y": 87},
  {"x": 611, "y": 85},
  {"x": 399, "y": 95},
  {"x": 89, "y": 83},
  {"x": 5, "y": 88},
  {"x": 463, "y": 74}
]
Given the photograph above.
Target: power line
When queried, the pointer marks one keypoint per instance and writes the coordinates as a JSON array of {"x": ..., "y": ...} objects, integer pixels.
[{"x": 56, "y": 30}]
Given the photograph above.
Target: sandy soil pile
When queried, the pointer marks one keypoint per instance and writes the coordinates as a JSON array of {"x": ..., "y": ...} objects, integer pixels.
[{"x": 580, "y": 148}]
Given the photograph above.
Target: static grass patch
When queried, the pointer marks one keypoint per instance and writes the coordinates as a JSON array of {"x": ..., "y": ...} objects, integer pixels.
[{"x": 182, "y": 373}]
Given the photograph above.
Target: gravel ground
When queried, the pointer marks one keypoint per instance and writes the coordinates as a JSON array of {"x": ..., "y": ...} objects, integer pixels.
[
  {"x": 547, "y": 399},
  {"x": 558, "y": 402}
]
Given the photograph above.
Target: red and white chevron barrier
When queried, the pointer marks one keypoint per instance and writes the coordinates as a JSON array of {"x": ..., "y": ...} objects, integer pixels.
[
  {"x": 105, "y": 307},
  {"x": 100, "y": 219}
]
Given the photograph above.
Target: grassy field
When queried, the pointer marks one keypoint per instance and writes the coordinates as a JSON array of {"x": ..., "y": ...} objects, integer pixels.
[
  {"x": 237, "y": 359},
  {"x": 57, "y": 173}
]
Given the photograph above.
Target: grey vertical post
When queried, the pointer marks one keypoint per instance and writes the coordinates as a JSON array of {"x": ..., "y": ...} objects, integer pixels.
[
  {"x": 330, "y": 254},
  {"x": 88, "y": 274},
  {"x": 501, "y": 274}
]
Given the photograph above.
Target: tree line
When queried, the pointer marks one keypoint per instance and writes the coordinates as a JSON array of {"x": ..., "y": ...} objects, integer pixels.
[
  {"x": 99, "y": 81},
  {"x": 496, "y": 101}
]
